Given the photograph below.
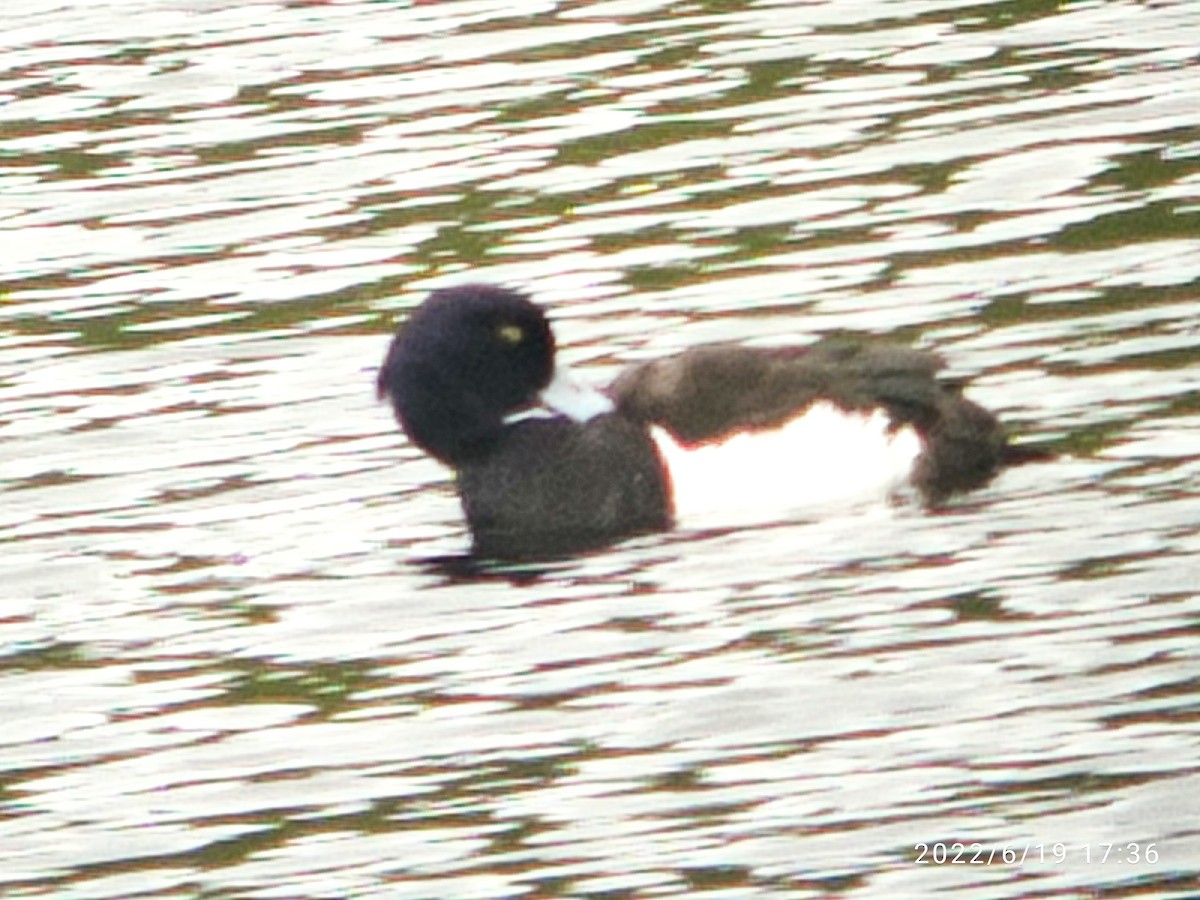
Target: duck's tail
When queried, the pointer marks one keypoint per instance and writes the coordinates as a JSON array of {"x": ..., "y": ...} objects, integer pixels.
[{"x": 1017, "y": 452}]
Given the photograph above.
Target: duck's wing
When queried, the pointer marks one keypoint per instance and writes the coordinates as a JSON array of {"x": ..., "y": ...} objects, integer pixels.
[
  {"x": 704, "y": 393},
  {"x": 707, "y": 393}
]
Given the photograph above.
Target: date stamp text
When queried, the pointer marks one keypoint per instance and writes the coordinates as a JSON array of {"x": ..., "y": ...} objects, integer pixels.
[{"x": 961, "y": 853}]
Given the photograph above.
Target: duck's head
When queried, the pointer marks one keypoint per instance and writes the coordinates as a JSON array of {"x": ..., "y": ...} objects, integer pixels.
[{"x": 465, "y": 361}]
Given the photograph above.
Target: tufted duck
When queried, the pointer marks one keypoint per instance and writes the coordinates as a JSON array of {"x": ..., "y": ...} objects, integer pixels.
[{"x": 546, "y": 467}]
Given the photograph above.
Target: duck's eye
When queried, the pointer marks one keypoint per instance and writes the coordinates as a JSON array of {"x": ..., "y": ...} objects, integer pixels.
[{"x": 510, "y": 334}]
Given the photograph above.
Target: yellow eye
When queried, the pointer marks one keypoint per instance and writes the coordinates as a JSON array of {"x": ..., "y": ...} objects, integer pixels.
[{"x": 510, "y": 334}]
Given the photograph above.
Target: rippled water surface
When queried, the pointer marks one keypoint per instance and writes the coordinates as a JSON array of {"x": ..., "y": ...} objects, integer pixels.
[{"x": 227, "y": 666}]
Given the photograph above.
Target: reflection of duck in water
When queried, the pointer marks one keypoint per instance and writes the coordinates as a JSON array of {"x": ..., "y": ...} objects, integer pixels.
[{"x": 547, "y": 467}]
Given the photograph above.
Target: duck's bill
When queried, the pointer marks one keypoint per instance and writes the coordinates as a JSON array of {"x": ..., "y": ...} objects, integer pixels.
[{"x": 566, "y": 395}]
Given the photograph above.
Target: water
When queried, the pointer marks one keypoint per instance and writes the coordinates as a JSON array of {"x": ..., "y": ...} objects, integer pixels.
[{"x": 228, "y": 667}]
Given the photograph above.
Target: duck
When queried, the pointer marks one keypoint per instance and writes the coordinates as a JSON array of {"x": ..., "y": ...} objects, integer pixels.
[{"x": 547, "y": 466}]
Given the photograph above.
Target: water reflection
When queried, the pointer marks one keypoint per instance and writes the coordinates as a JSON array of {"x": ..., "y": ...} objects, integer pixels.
[{"x": 238, "y": 657}]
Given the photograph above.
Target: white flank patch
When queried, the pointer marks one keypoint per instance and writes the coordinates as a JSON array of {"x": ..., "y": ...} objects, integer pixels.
[{"x": 827, "y": 457}]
